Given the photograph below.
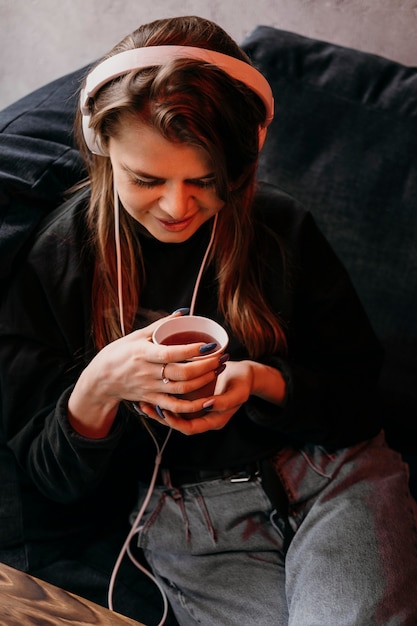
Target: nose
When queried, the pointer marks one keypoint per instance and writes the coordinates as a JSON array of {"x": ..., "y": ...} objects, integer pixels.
[{"x": 176, "y": 201}]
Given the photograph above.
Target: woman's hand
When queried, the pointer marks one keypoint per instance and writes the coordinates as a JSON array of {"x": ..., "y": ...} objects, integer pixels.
[
  {"x": 239, "y": 380},
  {"x": 131, "y": 369}
]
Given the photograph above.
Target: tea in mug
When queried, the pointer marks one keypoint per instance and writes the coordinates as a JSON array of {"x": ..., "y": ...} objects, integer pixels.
[{"x": 188, "y": 336}]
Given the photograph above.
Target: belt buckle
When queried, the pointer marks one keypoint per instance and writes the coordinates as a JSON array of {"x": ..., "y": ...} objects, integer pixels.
[{"x": 244, "y": 476}]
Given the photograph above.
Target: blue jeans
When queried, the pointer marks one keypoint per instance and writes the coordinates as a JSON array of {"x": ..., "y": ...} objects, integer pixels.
[{"x": 222, "y": 553}]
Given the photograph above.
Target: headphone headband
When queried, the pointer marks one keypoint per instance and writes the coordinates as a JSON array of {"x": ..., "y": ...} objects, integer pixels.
[{"x": 138, "y": 58}]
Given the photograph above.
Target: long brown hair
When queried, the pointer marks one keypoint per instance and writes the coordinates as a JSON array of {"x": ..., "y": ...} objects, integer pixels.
[{"x": 197, "y": 103}]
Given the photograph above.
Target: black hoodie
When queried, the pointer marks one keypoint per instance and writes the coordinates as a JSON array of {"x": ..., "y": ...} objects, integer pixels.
[{"x": 60, "y": 485}]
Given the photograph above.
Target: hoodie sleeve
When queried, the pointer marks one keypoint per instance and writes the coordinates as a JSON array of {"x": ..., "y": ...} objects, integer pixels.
[{"x": 43, "y": 318}]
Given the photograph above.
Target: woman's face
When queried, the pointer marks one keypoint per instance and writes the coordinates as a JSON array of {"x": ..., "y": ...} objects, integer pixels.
[{"x": 169, "y": 188}]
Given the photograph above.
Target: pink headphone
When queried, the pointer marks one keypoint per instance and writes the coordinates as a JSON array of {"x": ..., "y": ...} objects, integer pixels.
[{"x": 138, "y": 58}]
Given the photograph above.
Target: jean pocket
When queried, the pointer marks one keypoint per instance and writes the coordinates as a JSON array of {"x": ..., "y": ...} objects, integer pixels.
[
  {"x": 304, "y": 472},
  {"x": 320, "y": 460}
]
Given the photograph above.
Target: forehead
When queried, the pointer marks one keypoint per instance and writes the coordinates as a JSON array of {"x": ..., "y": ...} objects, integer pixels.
[{"x": 143, "y": 148}]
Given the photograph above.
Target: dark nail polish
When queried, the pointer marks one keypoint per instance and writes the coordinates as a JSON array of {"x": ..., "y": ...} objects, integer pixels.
[
  {"x": 224, "y": 358},
  {"x": 160, "y": 413},
  {"x": 208, "y": 347},
  {"x": 220, "y": 369},
  {"x": 138, "y": 410},
  {"x": 183, "y": 311}
]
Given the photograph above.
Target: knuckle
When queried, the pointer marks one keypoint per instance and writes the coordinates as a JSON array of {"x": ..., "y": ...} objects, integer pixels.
[
  {"x": 163, "y": 354},
  {"x": 180, "y": 388}
]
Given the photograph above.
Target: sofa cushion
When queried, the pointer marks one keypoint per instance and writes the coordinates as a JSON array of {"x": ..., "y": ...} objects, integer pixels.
[
  {"x": 344, "y": 142},
  {"x": 38, "y": 161}
]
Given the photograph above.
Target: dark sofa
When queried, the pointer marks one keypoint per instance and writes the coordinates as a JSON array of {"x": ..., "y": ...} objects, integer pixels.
[{"x": 344, "y": 142}]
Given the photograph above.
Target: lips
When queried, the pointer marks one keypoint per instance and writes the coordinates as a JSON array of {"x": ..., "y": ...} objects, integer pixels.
[{"x": 175, "y": 225}]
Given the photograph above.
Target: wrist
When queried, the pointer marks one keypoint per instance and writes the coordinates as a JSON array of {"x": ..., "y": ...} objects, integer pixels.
[
  {"x": 91, "y": 414},
  {"x": 268, "y": 383}
]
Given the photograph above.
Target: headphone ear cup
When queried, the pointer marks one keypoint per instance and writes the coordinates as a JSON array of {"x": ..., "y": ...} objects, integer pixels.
[
  {"x": 262, "y": 136},
  {"x": 91, "y": 139}
]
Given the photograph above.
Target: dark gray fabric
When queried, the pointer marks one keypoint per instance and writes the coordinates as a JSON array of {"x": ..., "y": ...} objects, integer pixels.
[
  {"x": 38, "y": 161},
  {"x": 344, "y": 143}
]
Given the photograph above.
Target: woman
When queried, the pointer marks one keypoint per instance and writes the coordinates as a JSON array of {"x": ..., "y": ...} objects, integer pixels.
[{"x": 282, "y": 504}]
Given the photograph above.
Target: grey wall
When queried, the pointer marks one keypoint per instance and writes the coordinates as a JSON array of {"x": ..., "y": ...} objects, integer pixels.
[{"x": 42, "y": 39}]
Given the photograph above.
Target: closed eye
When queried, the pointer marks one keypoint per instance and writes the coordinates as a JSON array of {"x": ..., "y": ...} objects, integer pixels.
[
  {"x": 148, "y": 183},
  {"x": 203, "y": 183},
  {"x": 144, "y": 181}
]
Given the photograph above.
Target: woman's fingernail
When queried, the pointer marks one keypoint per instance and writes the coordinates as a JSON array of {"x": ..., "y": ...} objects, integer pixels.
[
  {"x": 220, "y": 369},
  {"x": 208, "y": 405},
  {"x": 159, "y": 411},
  {"x": 183, "y": 311},
  {"x": 224, "y": 358},
  {"x": 208, "y": 347},
  {"x": 138, "y": 410}
]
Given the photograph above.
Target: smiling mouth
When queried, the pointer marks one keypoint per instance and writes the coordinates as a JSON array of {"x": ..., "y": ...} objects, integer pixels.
[{"x": 176, "y": 223}]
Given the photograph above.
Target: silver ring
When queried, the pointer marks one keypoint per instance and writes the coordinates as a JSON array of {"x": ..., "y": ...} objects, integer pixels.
[{"x": 165, "y": 380}]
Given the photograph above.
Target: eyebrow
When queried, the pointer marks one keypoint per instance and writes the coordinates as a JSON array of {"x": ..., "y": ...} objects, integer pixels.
[{"x": 141, "y": 174}]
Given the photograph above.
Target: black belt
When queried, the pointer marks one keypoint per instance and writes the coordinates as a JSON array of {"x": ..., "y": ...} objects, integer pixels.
[
  {"x": 263, "y": 469},
  {"x": 178, "y": 477}
]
